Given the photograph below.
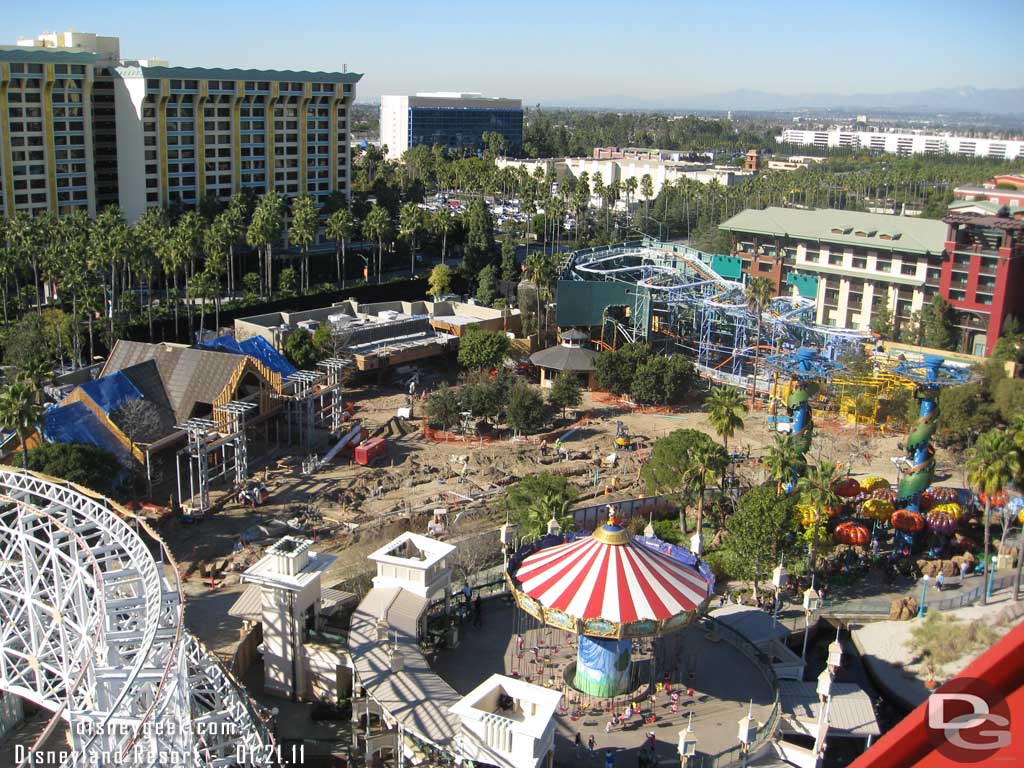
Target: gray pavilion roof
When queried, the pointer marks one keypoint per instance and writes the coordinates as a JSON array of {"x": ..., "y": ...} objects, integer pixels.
[{"x": 563, "y": 358}]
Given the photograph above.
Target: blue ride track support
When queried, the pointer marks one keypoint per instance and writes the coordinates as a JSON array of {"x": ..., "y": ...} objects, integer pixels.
[
  {"x": 803, "y": 366},
  {"x": 930, "y": 376}
]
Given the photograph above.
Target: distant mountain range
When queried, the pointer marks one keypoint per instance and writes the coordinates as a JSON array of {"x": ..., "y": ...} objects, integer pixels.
[{"x": 967, "y": 98}]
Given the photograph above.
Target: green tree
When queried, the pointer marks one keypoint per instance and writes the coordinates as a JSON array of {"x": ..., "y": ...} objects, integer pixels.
[
  {"x": 758, "y": 293},
  {"x": 484, "y": 399},
  {"x": 646, "y": 192},
  {"x": 565, "y": 392},
  {"x": 938, "y": 324},
  {"x": 783, "y": 458},
  {"x": 20, "y": 412},
  {"x": 662, "y": 380},
  {"x": 816, "y": 490},
  {"x": 487, "y": 285},
  {"x": 411, "y": 222},
  {"x": 305, "y": 222},
  {"x": 725, "y": 409},
  {"x": 520, "y": 501},
  {"x": 299, "y": 349},
  {"x": 440, "y": 281},
  {"x": 882, "y": 321},
  {"x": 994, "y": 462},
  {"x": 482, "y": 350},
  {"x": 444, "y": 409},
  {"x": 442, "y": 223},
  {"x": 378, "y": 226},
  {"x": 287, "y": 282},
  {"x": 509, "y": 267},
  {"x": 685, "y": 463},
  {"x": 480, "y": 246},
  {"x": 25, "y": 346},
  {"x": 525, "y": 411},
  {"x": 251, "y": 286},
  {"x": 759, "y": 533},
  {"x": 540, "y": 270},
  {"x": 340, "y": 226},
  {"x": 85, "y": 465},
  {"x": 616, "y": 369},
  {"x": 266, "y": 228}
]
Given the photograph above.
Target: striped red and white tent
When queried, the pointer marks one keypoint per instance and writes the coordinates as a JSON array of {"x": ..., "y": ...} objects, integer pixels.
[{"x": 624, "y": 581}]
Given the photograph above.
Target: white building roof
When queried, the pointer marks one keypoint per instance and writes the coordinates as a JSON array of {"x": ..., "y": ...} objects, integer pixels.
[
  {"x": 533, "y": 708},
  {"x": 412, "y": 551},
  {"x": 850, "y": 714}
]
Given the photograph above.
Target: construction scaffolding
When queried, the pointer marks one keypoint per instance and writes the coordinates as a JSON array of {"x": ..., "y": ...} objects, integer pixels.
[
  {"x": 313, "y": 400},
  {"x": 215, "y": 449},
  {"x": 676, "y": 297}
]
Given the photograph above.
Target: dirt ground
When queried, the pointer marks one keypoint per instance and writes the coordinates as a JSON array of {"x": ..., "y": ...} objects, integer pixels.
[{"x": 357, "y": 509}]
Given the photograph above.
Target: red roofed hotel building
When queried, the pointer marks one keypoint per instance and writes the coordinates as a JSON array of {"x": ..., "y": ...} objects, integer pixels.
[
  {"x": 983, "y": 270},
  {"x": 852, "y": 263},
  {"x": 1002, "y": 190}
]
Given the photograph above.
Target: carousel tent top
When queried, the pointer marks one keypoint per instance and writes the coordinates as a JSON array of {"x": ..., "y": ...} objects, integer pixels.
[{"x": 612, "y": 578}]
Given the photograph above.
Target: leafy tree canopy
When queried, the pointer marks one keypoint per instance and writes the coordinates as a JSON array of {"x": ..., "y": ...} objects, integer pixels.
[
  {"x": 480, "y": 349},
  {"x": 83, "y": 464},
  {"x": 299, "y": 349}
]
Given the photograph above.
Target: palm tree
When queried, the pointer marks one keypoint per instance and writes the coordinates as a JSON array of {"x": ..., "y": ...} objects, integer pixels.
[
  {"x": 305, "y": 222},
  {"x": 540, "y": 270},
  {"x": 544, "y": 508},
  {"x": 340, "y": 226},
  {"x": 708, "y": 462},
  {"x": 994, "y": 463},
  {"x": 816, "y": 490},
  {"x": 725, "y": 409},
  {"x": 411, "y": 221},
  {"x": 378, "y": 226},
  {"x": 20, "y": 411},
  {"x": 758, "y": 293},
  {"x": 783, "y": 458}
]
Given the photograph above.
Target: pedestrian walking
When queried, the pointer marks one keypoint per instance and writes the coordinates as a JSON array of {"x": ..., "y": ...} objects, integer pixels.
[
  {"x": 609, "y": 725},
  {"x": 478, "y": 619},
  {"x": 940, "y": 581},
  {"x": 590, "y": 745},
  {"x": 579, "y": 746},
  {"x": 963, "y": 570}
]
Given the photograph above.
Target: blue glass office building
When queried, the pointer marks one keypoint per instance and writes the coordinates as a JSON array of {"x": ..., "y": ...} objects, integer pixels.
[{"x": 455, "y": 121}]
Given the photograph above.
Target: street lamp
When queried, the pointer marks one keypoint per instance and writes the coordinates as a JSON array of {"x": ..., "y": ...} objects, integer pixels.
[
  {"x": 779, "y": 581},
  {"x": 747, "y": 733},
  {"x": 811, "y": 603},
  {"x": 924, "y": 593},
  {"x": 991, "y": 577},
  {"x": 824, "y": 689},
  {"x": 687, "y": 742},
  {"x": 554, "y": 528}
]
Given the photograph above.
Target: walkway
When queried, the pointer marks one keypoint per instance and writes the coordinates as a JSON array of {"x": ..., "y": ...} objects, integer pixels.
[{"x": 725, "y": 682}]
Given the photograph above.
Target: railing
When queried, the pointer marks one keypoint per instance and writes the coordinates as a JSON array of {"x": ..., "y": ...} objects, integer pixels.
[{"x": 767, "y": 730}]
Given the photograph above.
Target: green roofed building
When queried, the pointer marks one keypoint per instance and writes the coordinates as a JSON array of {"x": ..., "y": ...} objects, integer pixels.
[{"x": 850, "y": 262}]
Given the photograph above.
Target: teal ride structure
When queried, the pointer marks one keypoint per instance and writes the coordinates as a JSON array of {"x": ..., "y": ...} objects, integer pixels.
[
  {"x": 930, "y": 376},
  {"x": 609, "y": 589},
  {"x": 806, "y": 367}
]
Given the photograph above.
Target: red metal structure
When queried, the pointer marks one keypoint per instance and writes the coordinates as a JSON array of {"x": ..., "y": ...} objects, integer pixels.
[{"x": 373, "y": 449}]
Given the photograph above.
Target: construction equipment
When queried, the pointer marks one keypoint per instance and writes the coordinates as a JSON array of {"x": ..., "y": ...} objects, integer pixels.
[
  {"x": 371, "y": 451},
  {"x": 621, "y": 435}
]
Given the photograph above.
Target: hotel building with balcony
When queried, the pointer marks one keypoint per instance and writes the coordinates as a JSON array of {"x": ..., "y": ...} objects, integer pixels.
[
  {"x": 81, "y": 127},
  {"x": 904, "y": 143},
  {"x": 452, "y": 120},
  {"x": 853, "y": 263}
]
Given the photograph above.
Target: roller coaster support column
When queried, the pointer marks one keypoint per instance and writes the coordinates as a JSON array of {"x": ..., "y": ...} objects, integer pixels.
[
  {"x": 804, "y": 367},
  {"x": 931, "y": 376}
]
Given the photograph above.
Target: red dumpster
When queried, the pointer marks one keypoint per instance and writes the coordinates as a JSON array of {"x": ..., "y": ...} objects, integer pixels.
[{"x": 371, "y": 450}]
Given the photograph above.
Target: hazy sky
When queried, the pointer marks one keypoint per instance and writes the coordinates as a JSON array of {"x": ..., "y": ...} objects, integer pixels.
[{"x": 598, "y": 53}]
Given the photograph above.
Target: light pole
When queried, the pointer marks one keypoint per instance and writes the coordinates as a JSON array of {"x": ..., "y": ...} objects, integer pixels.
[
  {"x": 687, "y": 742},
  {"x": 811, "y": 603},
  {"x": 991, "y": 578},
  {"x": 924, "y": 593}
]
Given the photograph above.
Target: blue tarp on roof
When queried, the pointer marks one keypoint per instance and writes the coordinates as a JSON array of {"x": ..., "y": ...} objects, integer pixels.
[
  {"x": 76, "y": 423},
  {"x": 257, "y": 347},
  {"x": 111, "y": 392}
]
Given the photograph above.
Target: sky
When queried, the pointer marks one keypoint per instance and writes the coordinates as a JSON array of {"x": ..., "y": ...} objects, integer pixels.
[{"x": 569, "y": 53}]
